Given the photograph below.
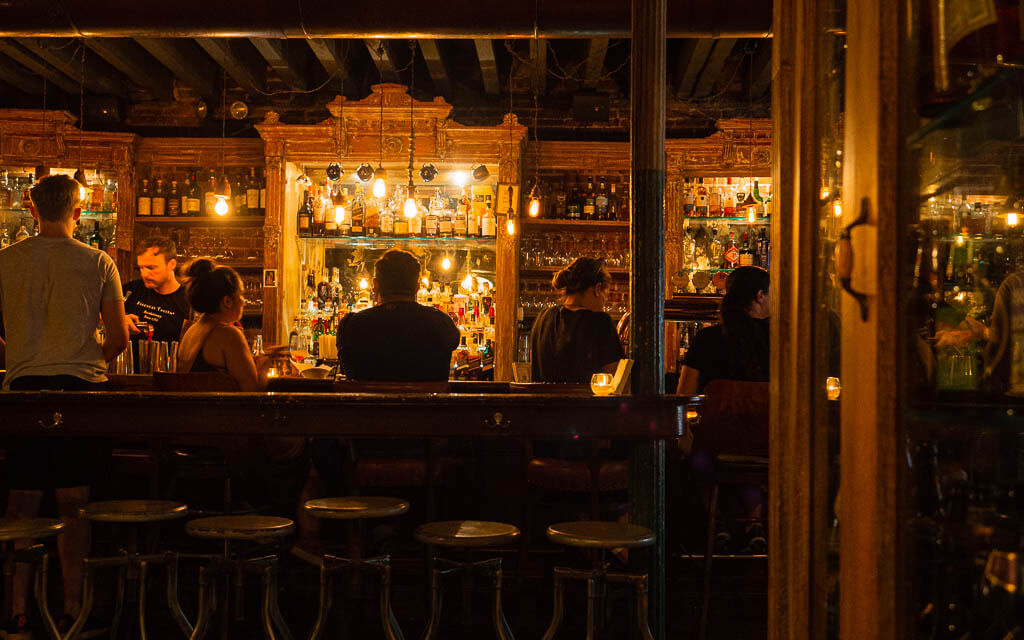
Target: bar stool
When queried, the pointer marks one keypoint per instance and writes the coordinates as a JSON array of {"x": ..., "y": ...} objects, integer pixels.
[
  {"x": 232, "y": 566},
  {"x": 12, "y": 529},
  {"x": 599, "y": 537},
  {"x": 354, "y": 510},
  {"x": 467, "y": 535}
]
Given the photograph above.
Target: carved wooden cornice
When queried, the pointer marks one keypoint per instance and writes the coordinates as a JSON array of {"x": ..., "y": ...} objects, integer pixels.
[
  {"x": 32, "y": 137},
  {"x": 202, "y": 153}
]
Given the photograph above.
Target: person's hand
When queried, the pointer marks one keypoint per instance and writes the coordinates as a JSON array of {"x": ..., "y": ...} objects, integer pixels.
[
  {"x": 132, "y": 319},
  {"x": 977, "y": 329},
  {"x": 953, "y": 338}
]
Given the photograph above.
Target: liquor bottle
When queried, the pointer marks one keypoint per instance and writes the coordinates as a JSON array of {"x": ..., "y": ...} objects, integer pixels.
[
  {"x": 700, "y": 206},
  {"x": 158, "y": 205},
  {"x": 330, "y": 221},
  {"x": 252, "y": 193},
  {"x": 473, "y": 225},
  {"x": 764, "y": 250},
  {"x": 624, "y": 203},
  {"x": 305, "y": 216},
  {"x": 174, "y": 200},
  {"x": 416, "y": 223},
  {"x": 263, "y": 192},
  {"x": 210, "y": 195},
  {"x": 589, "y": 200},
  {"x": 432, "y": 223},
  {"x": 21, "y": 235},
  {"x": 741, "y": 196},
  {"x": 112, "y": 245},
  {"x": 689, "y": 197},
  {"x": 319, "y": 216},
  {"x": 358, "y": 214},
  {"x": 746, "y": 253},
  {"x": 96, "y": 194},
  {"x": 371, "y": 217},
  {"x": 732, "y": 252},
  {"x": 715, "y": 202},
  {"x": 5, "y": 238},
  {"x": 345, "y": 226},
  {"x": 460, "y": 224},
  {"x": 729, "y": 199},
  {"x": 574, "y": 204},
  {"x": 613, "y": 204},
  {"x": 238, "y": 197},
  {"x": 445, "y": 223},
  {"x": 193, "y": 197},
  {"x": 561, "y": 201},
  {"x": 387, "y": 220},
  {"x": 601, "y": 200},
  {"x": 145, "y": 203},
  {"x": 96, "y": 240},
  {"x": 756, "y": 195},
  {"x": 26, "y": 192},
  {"x": 5, "y": 192},
  {"x": 401, "y": 225},
  {"x": 716, "y": 252},
  {"x": 488, "y": 224}
]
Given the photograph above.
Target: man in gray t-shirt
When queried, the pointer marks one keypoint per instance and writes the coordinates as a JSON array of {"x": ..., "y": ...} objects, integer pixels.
[{"x": 53, "y": 292}]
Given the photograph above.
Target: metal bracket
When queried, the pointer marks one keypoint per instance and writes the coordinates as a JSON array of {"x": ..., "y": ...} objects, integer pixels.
[
  {"x": 497, "y": 422},
  {"x": 58, "y": 422},
  {"x": 844, "y": 259}
]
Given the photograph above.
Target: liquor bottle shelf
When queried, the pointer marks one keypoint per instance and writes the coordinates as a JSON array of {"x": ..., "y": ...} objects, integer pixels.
[
  {"x": 237, "y": 265},
  {"x": 386, "y": 242},
  {"x": 528, "y": 271},
  {"x": 530, "y": 224},
  {"x": 201, "y": 221},
  {"x": 85, "y": 212},
  {"x": 736, "y": 219}
]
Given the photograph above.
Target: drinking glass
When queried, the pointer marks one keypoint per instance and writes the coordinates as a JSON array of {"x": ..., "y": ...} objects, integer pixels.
[{"x": 601, "y": 384}]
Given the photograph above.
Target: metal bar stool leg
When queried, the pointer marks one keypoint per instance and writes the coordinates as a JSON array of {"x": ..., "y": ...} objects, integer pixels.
[
  {"x": 705, "y": 606},
  {"x": 171, "y": 563},
  {"x": 500, "y": 623},
  {"x": 268, "y": 622},
  {"x": 207, "y": 604},
  {"x": 642, "y": 615},
  {"x": 42, "y": 601},
  {"x": 593, "y": 593},
  {"x": 325, "y": 601},
  {"x": 387, "y": 616},
  {"x": 115, "y": 622},
  {"x": 143, "y": 570},
  {"x": 435, "y": 605},
  {"x": 275, "y": 609},
  {"x": 559, "y": 606}
]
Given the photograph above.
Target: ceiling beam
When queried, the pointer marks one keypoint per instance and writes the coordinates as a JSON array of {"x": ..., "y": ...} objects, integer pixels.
[
  {"x": 15, "y": 75},
  {"x": 130, "y": 59},
  {"x": 762, "y": 69},
  {"x": 186, "y": 61},
  {"x": 713, "y": 69},
  {"x": 282, "y": 58},
  {"x": 692, "y": 56},
  {"x": 35, "y": 65},
  {"x": 597, "y": 49},
  {"x": 381, "y": 56},
  {"x": 539, "y": 60},
  {"x": 488, "y": 65},
  {"x": 97, "y": 76},
  {"x": 243, "y": 65},
  {"x": 333, "y": 56},
  {"x": 435, "y": 65}
]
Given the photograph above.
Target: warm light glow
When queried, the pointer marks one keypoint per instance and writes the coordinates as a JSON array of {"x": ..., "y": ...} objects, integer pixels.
[
  {"x": 534, "y": 207},
  {"x": 426, "y": 281},
  {"x": 833, "y": 388},
  {"x": 410, "y": 209},
  {"x": 825, "y": 193},
  {"x": 272, "y": 373},
  {"x": 960, "y": 241},
  {"x": 364, "y": 284},
  {"x": 446, "y": 264},
  {"x": 751, "y": 215},
  {"x": 339, "y": 214},
  {"x": 460, "y": 178},
  {"x": 961, "y": 296},
  {"x": 380, "y": 188},
  {"x": 221, "y": 206},
  {"x": 467, "y": 283},
  {"x": 510, "y": 227},
  {"x": 81, "y": 193},
  {"x": 1012, "y": 219},
  {"x": 837, "y": 209}
]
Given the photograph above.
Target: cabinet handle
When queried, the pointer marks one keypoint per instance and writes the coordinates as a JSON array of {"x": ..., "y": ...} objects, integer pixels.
[
  {"x": 58, "y": 422},
  {"x": 844, "y": 260}
]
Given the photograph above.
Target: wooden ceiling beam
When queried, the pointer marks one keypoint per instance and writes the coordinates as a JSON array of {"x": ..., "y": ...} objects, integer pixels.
[
  {"x": 539, "y": 60},
  {"x": 597, "y": 49},
  {"x": 40, "y": 67},
  {"x": 97, "y": 76},
  {"x": 185, "y": 59},
  {"x": 692, "y": 56},
  {"x": 381, "y": 55},
  {"x": 15, "y": 75},
  {"x": 713, "y": 69},
  {"x": 762, "y": 71},
  {"x": 130, "y": 59},
  {"x": 243, "y": 65},
  {"x": 279, "y": 55},
  {"x": 488, "y": 65},
  {"x": 332, "y": 55},
  {"x": 435, "y": 65}
]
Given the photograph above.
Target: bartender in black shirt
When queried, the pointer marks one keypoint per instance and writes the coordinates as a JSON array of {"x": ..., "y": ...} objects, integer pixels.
[{"x": 157, "y": 299}]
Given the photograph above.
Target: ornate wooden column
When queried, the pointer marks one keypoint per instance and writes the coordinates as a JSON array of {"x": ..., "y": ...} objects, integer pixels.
[
  {"x": 646, "y": 281},
  {"x": 273, "y": 298}
]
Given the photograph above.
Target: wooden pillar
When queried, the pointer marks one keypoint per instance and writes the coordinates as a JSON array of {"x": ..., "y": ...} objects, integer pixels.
[{"x": 647, "y": 277}]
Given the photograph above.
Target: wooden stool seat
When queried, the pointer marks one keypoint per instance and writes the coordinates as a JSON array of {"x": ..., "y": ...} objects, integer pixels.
[
  {"x": 134, "y": 511},
  {"x": 594, "y": 534},
  {"x": 356, "y": 507},
  {"x": 15, "y": 528},
  {"x": 466, "y": 533},
  {"x": 240, "y": 527}
]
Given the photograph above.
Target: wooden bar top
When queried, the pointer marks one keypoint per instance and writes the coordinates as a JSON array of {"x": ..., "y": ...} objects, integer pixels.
[{"x": 402, "y": 414}]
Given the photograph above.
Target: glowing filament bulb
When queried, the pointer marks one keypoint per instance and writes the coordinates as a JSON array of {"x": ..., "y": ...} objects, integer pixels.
[
  {"x": 837, "y": 209},
  {"x": 1012, "y": 219},
  {"x": 960, "y": 240},
  {"x": 825, "y": 193},
  {"x": 380, "y": 188},
  {"x": 339, "y": 214},
  {"x": 81, "y": 194},
  {"x": 364, "y": 284},
  {"x": 467, "y": 284},
  {"x": 534, "y": 207},
  {"x": 425, "y": 281},
  {"x": 221, "y": 206},
  {"x": 751, "y": 215},
  {"x": 510, "y": 227},
  {"x": 410, "y": 209},
  {"x": 460, "y": 178},
  {"x": 446, "y": 264}
]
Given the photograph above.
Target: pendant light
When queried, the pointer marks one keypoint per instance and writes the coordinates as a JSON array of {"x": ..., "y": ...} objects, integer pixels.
[
  {"x": 510, "y": 220},
  {"x": 410, "y": 209},
  {"x": 222, "y": 207},
  {"x": 380, "y": 176},
  {"x": 534, "y": 209},
  {"x": 79, "y": 176}
]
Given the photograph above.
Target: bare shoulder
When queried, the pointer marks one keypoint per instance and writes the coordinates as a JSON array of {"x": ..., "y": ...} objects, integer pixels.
[{"x": 228, "y": 335}]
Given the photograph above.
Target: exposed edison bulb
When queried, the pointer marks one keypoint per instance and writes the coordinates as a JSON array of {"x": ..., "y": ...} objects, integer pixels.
[
  {"x": 1012, "y": 219},
  {"x": 446, "y": 264},
  {"x": 339, "y": 214},
  {"x": 467, "y": 283},
  {"x": 510, "y": 227},
  {"x": 460, "y": 178},
  {"x": 837, "y": 209},
  {"x": 81, "y": 194},
  {"x": 410, "y": 209},
  {"x": 960, "y": 240},
  {"x": 534, "y": 207},
  {"x": 364, "y": 284},
  {"x": 426, "y": 281},
  {"x": 751, "y": 215},
  {"x": 380, "y": 188},
  {"x": 221, "y": 206},
  {"x": 825, "y": 192}
]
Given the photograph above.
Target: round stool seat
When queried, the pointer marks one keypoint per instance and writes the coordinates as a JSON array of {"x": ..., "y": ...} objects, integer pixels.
[
  {"x": 466, "y": 533},
  {"x": 15, "y": 528},
  {"x": 240, "y": 527},
  {"x": 596, "y": 534},
  {"x": 356, "y": 507},
  {"x": 134, "y": 511}
]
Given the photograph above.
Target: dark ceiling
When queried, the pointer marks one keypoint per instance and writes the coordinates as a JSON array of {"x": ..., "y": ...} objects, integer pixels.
[{"x": 155, "y": 85}]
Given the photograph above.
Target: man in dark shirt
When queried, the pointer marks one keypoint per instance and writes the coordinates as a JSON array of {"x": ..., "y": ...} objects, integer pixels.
[
  {"x": 157, "y": 299},
  {"x": 398, "y": 340}
]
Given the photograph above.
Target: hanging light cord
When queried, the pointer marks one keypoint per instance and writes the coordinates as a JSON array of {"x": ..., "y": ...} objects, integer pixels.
[
  {"x": 81, "y": 107},
  {"x": 412, "y": 106},
  {"x": 380, "y": 73},
  {"x": 223, "y": 116}
]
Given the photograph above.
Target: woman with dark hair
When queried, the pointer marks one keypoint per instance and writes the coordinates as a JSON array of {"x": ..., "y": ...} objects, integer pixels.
[
  {"x": 215, "y": 342},
  {"x": 576, "y": 339},
  {"x": 737, "y": 348}
]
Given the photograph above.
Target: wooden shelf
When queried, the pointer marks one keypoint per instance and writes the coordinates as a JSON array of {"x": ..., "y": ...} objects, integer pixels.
[
  {"x": 529, "y": 271},
  {"x": 736, "y": 219},
  {"x": 202, "y": 221},
  {"x": 386, "y": 242},
  {"x": 532, "y": 224}
]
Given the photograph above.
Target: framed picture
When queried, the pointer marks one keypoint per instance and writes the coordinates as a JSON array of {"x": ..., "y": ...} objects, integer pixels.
[{"x": 269, "y": 278}]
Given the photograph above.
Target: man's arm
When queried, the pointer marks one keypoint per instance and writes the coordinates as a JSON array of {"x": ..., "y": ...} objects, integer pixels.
[
  {"x": 3, "y": 354},
  {"x": 115, "y": 326}
]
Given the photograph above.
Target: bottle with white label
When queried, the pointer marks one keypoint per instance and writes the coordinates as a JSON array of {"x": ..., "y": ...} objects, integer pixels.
[
  {"x": 158, "y": 206},
  {"x": 252, "y": 193},
  {"x": 145, "y": 203},
  {"x": 488, "y": 227}
]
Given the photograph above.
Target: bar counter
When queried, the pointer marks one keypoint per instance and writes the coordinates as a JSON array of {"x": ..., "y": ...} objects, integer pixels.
[{"x": 470, "y": 415}]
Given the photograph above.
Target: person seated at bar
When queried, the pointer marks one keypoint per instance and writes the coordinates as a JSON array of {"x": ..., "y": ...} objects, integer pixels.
[
  {"x": 157, "y": 298},
  {"x": 737, "y": 347},
  {"x": 53, "y": 290},
  {"x": 576, "y": 339}
]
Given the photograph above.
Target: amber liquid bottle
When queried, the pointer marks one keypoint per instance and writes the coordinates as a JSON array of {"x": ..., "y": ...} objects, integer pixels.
[{"x": 304, "y": 217}]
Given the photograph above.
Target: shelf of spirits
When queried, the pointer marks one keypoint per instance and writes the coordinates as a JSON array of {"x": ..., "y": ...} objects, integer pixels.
[
  {"x": 574, "y": 198},
  {"x": 173, "y": 192},
  {"x": 227, "y": 220}
]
